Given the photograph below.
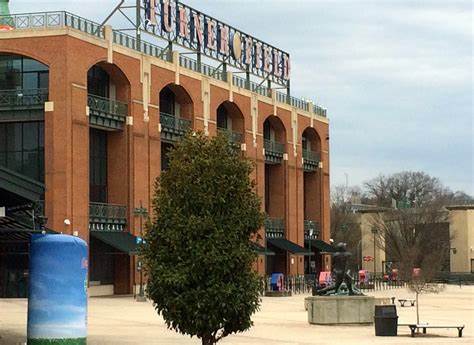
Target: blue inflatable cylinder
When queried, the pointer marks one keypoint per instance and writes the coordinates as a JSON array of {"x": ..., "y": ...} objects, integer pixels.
[{"x": 57, "y": 301}]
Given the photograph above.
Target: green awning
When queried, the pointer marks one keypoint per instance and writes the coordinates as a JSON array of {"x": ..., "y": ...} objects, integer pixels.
[
  {"x": 321, "y": 246},
  {"x": 123, "y": 241},
  {"x": 262, "y": 250},
  {"x": 284, "y": 244}
]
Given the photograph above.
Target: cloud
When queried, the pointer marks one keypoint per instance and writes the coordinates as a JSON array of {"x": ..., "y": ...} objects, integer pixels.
[{"x": 396, "y": 76}]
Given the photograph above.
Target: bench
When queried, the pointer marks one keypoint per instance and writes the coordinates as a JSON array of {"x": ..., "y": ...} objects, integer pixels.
[
  {"x": 414, "y": 327},
  {"x": 403, "y": 301}
]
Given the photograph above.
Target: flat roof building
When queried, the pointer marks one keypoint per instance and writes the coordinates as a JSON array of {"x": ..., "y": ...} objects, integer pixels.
[{"x": 87, "y": 114}]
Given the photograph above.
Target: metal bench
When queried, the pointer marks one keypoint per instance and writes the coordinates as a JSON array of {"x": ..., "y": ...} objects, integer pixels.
[
  {"x": 405, "y": 300},
  {"x": 414, "y": 327}
]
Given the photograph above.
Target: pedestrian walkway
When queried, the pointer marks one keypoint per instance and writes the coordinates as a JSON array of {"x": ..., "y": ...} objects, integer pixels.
[{"x": 281, "y": 321}]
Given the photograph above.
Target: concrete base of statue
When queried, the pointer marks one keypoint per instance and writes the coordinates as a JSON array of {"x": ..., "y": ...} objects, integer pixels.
[{"x": 341, "y": 310}]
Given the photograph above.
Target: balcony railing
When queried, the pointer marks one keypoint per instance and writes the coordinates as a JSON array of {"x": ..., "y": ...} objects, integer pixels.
[
  {"x": 273, "y": 151},
  {"x": 172, "y": 127},
  {"x": 23, "y": 98},
  {"x": 235, "y": 137},
  {"x": 311, "y": 160},
  {"x": 274, "y": 228},
  {"x": 106, "y": 112},
  {"x": 311, "y": 230},
  {"x": 60, "y": 19},
  {"x": 51, "y": 20},
  {"x": 107, "y": 217}
]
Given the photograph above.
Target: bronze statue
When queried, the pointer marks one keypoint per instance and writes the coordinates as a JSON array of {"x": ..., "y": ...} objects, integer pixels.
[{"x": 341, "y": 273}]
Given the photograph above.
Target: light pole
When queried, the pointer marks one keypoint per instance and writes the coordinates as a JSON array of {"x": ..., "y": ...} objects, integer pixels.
[
  {"x": 140, "y": 212},
  {"x": 374, "y": 231},
  {"x": 310, "y": 248}
]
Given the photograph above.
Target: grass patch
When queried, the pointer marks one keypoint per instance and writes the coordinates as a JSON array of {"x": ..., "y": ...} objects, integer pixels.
[{"x": 75, "y": 341}]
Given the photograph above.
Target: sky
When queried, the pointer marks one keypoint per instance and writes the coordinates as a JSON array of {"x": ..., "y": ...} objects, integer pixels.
[{"x": 396, "y": 76}]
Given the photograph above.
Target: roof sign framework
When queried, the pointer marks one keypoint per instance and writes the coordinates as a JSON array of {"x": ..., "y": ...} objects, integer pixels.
[{"x": 179, "y": 24}]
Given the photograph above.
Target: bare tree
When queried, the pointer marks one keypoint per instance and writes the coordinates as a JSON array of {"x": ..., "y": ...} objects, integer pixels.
[
  {"x": 416, "y": 189},
  {"x": 344, "y": 225},
  {"x": 416, "y": 239}
]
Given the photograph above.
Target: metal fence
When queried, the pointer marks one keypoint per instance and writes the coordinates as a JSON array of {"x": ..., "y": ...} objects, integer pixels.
[
  {"x": 23, "y": 97},
  {"x": 297, "y": 284},
  {"x": 378, "y": 284},
  {"x": 304, "y": 284}
]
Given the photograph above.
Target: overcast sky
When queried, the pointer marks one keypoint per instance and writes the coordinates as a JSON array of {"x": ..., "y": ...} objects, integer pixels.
[{"x": 396, "y": 76}]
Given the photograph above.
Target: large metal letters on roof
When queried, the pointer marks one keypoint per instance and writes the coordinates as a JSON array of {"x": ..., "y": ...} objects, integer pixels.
[{"x": 181, "y": 24}]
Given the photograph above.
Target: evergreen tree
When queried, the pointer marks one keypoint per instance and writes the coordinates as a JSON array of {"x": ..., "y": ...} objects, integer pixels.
[{"x": 198, "y": 253}]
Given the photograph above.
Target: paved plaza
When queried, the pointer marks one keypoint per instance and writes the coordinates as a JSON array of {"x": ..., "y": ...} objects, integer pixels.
[{"x": 121, "y": 320}]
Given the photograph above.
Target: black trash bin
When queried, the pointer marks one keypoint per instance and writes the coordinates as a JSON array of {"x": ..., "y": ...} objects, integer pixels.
[{"x": 386, "y": 320}]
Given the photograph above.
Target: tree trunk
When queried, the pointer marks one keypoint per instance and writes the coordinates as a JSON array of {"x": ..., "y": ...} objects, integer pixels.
[
  {"x": 417, "y": 310},
  {"x": 208, "y": 340}
]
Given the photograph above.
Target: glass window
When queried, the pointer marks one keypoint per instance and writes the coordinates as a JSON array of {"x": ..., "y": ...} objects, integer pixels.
[
  {"x": 30, "y": 165},
  {"x": 30, "y": 135},
  {"x": 18, "y": 72},
  {"x": 167, "y": 101},
  {"x": 43, "y": 80},
  {"x": 21, "y": 150},
  {"x": 221, "y": 117},
  {"x": 305, "y": 143},
  {"x": 98, "y": 165},
  {"x": 41, "y": 135},
  {"x": 30, "y": 65},
  {"x": 14, "y": 136},
  {"x": 98, "y": 82},
  {"x": 30, "y": 80},
  {"x": 14, "y": 161},
  {"x": 266, "y": 130}
]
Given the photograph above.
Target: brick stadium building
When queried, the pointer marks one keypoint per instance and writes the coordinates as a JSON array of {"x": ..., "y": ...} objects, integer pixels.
[{"x": 86, "y": 115}]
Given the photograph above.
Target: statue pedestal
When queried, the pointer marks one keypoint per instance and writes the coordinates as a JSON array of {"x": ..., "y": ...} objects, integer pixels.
[{"x": 340, "y": 310}]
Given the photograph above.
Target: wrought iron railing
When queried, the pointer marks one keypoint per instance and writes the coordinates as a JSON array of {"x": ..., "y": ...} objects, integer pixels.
[
  {"x": 51, "y": 20},
  {"x": 297, "y": 284},
  {"x": 274, "y": 227},
  {"x": 60, "y": 19},
  {"x": 107, "y": 217},
  {"x": 131, "y": 42},
  {"x": 311, "y": 229},
  {"x": 23, "y": 97},
  {"x": 319, "y": 111},
  {"x": 273, "y": 147},
  {"x": 311, "y": 156},
  {"x": 311, "y": 160},
  {"x": 203, "y": 68},
  {"x": 234, "y": 137},
  {"x": 172, "y": 123},
  {"x": 107, "y": 106}
]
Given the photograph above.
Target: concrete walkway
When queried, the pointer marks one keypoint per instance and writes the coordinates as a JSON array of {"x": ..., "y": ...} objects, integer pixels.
[{"x": 281, "y": 321}]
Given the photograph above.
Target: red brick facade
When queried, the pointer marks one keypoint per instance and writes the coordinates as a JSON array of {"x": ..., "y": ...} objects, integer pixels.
[{"x": 134, "y": 153}]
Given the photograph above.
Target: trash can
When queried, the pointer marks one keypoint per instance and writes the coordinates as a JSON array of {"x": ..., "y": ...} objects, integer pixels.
[{"x": 386, "y": 320}]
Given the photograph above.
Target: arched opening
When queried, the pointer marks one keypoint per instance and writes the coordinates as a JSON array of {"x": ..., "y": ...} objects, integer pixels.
[
  {"x": 230, "y": 120},
  {"x": 24, "y": 88},
  {"x": 108, "y": 100},
  {"x": 274, "y": 134},
  {"x": 176, "y": 115},
  {"x": 311, "y": 145}
]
